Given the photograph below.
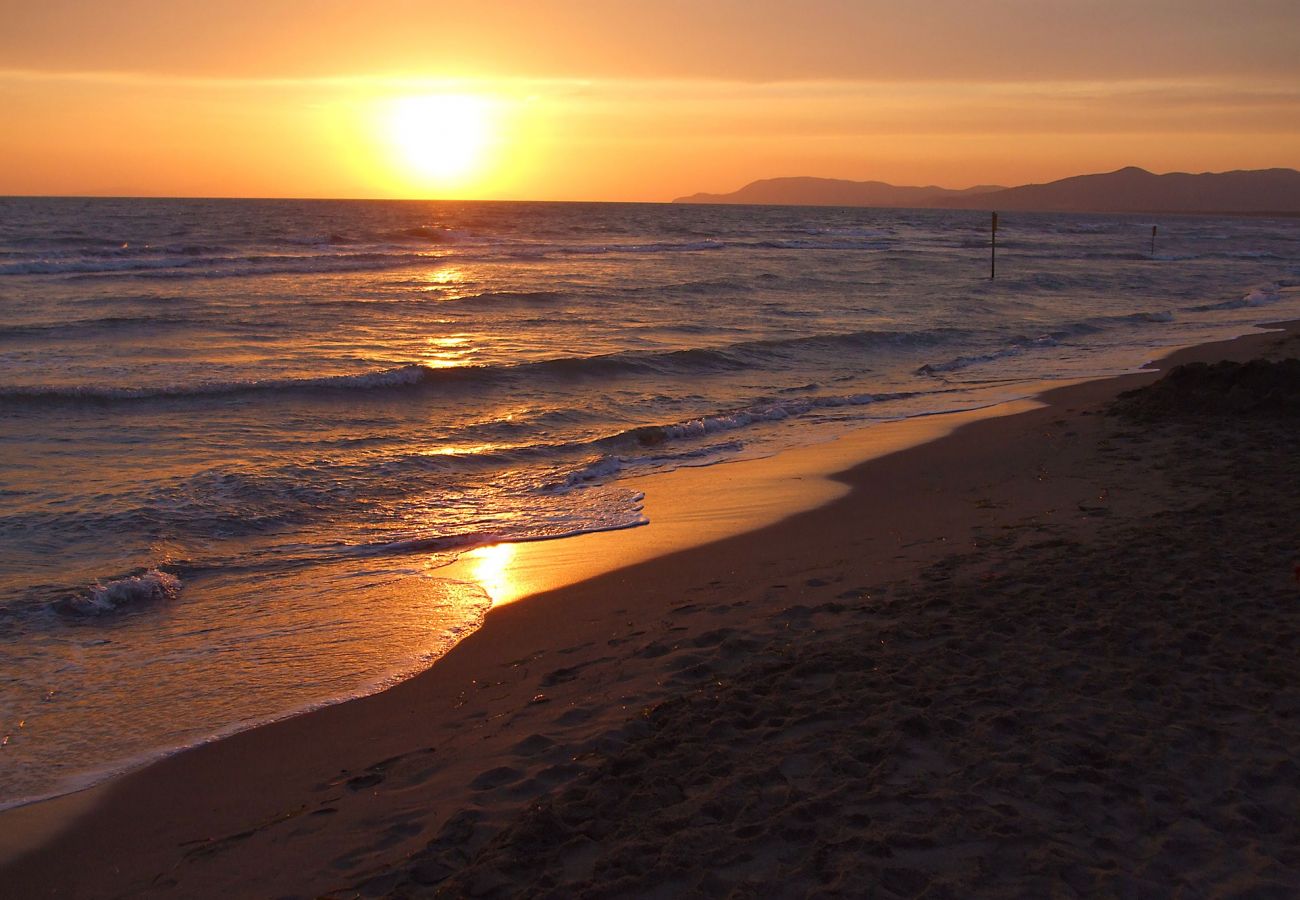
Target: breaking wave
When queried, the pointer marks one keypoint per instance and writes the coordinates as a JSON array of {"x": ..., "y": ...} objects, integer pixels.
[
  {"x": 1263, "y": 296},
  {"x": 1020, "y": 345},
  {"x": 153, "y": 586}
]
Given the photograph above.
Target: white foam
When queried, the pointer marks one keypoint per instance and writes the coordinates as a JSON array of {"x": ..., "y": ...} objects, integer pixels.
[
  {"x": 601, "y": 469},
  {"x": 151, "y": 587},
  {"x": 1263, "y": 296}
]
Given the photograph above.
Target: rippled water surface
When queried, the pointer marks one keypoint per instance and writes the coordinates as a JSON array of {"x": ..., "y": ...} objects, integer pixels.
[{"x": 239, "y": 438}]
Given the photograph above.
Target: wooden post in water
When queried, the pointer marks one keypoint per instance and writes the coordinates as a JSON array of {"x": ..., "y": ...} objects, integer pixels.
[
  {"x": 1153, "y": 240},
  {"x": 993, "y": 248}
]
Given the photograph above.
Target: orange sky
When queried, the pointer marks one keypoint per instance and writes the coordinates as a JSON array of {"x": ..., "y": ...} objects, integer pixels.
[{"x": 636, "y": 100}]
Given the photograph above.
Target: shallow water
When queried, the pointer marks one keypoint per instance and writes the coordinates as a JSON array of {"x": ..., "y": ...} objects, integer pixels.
[{"x": 301, "y": 409}]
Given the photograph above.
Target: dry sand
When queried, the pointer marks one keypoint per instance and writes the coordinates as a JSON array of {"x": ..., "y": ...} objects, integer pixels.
[{"x": 1052, "y": 654}]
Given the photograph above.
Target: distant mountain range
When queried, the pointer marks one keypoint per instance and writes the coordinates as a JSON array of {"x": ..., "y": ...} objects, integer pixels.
[
  {"x": 836, "y": 192},
  {"x": 1131, "y": 189}
]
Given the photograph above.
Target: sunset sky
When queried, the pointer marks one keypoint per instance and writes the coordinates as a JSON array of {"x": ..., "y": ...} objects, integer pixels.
[{"x": 632, "y": 100}]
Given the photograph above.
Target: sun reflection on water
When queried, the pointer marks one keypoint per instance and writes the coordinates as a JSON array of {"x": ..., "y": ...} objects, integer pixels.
[
  {"x": 438, "y": 280},
  {"x": 460, "y": 450},
  {"x": 449, "y": 351}
]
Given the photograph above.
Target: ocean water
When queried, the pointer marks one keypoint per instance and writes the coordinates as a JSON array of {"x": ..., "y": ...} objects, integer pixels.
[{"x": 239, "y": 440}]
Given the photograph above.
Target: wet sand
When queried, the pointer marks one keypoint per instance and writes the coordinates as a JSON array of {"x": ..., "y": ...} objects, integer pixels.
[{"x": 1052, "y": 653}]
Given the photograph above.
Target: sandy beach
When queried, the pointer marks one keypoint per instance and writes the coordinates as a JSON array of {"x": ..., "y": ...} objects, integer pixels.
[{"x": 1052, "y": 653}]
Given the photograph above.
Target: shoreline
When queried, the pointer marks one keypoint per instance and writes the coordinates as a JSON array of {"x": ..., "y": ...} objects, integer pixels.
[
  {"x": 792, "y": 481},
  {"x": 452, "y": 718},
  {"x": 788, "y": 482}
]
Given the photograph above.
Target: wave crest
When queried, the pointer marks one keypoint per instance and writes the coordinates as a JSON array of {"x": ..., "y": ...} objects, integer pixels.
[
  {"x": 683, "y": 362},
  {"x": 153, "y": 586}
]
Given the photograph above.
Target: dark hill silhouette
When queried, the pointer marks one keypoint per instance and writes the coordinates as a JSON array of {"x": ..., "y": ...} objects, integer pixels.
[
  {"x": 1137, "y": 190},
  {"x": 1126, "y": 190},
  {"x": 834, "y": 192}
]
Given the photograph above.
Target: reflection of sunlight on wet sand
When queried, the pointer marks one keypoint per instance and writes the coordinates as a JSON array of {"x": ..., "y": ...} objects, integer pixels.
[
  {"x": 693, "y": 506},
  {"x": 490, "y": 568}
]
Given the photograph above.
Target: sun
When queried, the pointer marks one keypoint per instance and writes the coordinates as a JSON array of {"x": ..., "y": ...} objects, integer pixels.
[{"x": 443, "y": 139}]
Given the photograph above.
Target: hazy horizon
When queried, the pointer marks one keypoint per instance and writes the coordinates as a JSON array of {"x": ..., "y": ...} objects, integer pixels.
[{"x": 533, "y": 200}]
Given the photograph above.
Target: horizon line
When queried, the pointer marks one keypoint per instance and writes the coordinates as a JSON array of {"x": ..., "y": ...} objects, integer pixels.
[{"x": 373, "y": 199}]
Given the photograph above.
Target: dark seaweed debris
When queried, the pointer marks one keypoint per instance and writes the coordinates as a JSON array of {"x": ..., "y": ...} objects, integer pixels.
[{"x": 1258, "y": 387}]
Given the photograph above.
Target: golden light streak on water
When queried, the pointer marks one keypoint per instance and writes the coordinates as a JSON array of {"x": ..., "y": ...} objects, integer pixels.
[
  {"x": 441, "y": 278},
  {"x": 449, "y": 351}
]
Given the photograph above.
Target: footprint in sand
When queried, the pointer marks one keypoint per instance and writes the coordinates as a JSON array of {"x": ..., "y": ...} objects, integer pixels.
[
  {"x": 533, "y": 745},
  {"x": 559, "y": 676},
  {"x": 361, "y": 782},
  {"x": 495, "y": 778},
  {"x": 377, "y": 773}
]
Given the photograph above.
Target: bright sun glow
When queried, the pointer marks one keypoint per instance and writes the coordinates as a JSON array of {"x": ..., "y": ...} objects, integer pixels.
[{"x": 443, "y": 138}]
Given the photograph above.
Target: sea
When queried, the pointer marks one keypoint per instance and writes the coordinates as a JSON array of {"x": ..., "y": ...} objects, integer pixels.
[{"x": 241, "y": 440}]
